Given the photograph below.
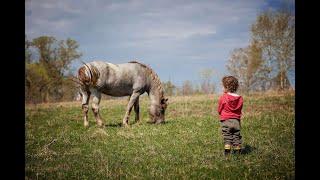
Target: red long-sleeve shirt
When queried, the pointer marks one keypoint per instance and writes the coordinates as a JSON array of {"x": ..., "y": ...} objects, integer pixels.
[{"x": 230, "y": 106}]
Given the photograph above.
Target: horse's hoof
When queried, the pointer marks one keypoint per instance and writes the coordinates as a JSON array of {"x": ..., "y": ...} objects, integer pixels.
[
  {"x": 125, "y": 125},
  {"x": 100, "y": 124},
  {"x": 137, "y": 122},
  {"x": 159, "y": 122},
  {"x": 86, "y": 124}
]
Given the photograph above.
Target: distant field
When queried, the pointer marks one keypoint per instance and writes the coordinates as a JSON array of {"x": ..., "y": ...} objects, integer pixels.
[{"x": 188, "y": 146}]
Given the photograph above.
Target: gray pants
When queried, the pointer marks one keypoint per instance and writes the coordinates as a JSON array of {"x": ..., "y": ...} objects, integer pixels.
[{"x": 231, "y": 132}]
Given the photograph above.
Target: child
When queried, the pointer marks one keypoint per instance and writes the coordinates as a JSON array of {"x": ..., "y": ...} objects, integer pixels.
[{"x": 229, "y": 109}]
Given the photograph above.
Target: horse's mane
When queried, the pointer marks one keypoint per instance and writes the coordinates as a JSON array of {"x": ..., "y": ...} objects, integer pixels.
[{"x": 154, "y": 76}]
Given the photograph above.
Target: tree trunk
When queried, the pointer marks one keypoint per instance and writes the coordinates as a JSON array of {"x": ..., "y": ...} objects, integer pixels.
[
  {"x": 46, "y": 100},
  {"x": 281, "y": 81}
]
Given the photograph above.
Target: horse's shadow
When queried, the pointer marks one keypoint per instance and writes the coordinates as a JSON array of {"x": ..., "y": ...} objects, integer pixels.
[
  {"x": 113, "y": 125},
  {"x": 135, "y": 123},
  {"x": 247, "y": 149},
  {"x": 155, "y": 123}
]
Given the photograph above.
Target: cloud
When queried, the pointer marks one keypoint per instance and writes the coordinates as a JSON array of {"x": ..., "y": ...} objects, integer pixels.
[
  {"x": 178, "y": 31},
  {"x": 165, "y": 19}
]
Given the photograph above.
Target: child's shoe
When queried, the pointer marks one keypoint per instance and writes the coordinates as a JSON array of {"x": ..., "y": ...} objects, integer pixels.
[
  {"x": 227, "y": 149},
  {"x": 237, "y": 149}
]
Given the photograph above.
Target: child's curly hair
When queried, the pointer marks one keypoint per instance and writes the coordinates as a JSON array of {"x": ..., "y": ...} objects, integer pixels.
[{"x": 230, "y": 83}]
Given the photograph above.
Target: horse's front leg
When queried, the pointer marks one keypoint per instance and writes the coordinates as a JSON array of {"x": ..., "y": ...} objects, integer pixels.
[
  {"x": 85, "y": 107},
  {"x": 132, "y": 100},
  {"x": 95, "y": 107},
  {"x": 137, "y": 109}
]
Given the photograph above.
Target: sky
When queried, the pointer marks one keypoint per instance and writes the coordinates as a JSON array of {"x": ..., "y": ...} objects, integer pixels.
[{"x": 176, "y": 38}]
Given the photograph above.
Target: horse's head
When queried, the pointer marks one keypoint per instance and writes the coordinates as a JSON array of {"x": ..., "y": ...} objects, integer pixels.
[{"x": 157, "y": 111}]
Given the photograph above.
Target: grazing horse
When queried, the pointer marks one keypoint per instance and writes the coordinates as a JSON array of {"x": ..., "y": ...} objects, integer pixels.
[{"x": 127, "y": 79}]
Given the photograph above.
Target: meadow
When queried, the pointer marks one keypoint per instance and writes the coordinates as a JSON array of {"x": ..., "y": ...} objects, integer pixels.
[{"x": 188, "y": 146}]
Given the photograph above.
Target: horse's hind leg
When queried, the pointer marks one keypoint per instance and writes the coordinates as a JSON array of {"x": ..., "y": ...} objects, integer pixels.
[
  {"x": 137, "y": 109},
  {"x": 95, "y": 107},
  {"x": 85, "y": 107}
]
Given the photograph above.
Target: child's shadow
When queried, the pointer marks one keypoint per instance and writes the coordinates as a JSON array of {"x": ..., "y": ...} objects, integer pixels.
[{"x": 247, "y": 149}]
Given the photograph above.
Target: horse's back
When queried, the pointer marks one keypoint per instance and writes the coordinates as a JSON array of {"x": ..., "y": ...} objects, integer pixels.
[
  {"x": 122, "y": 79},
  {"x": 123, "y": 67}
]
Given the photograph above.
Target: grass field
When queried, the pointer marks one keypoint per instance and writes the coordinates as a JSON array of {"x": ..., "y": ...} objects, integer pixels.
[{"x": 188, "y": 146}]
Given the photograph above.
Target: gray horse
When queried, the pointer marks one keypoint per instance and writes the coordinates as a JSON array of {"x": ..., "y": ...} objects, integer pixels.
[{"x": 128, "y": 79}]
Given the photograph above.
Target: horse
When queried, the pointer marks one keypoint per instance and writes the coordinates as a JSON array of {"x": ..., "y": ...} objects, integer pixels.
[{"x": 127, "y": 79}]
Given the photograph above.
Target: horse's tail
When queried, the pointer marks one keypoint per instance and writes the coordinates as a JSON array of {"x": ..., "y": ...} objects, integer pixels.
[{"x": 88, "y": 74}]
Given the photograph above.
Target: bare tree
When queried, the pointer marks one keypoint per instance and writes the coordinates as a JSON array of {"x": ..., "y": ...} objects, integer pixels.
[
  {"x": 275, "y": 33},
  {"x": 169, "y": 88},
  {"x": 187, "y": 88},
  {"x": 207, "y": 86},
  {"x": 247, "y": 65}
]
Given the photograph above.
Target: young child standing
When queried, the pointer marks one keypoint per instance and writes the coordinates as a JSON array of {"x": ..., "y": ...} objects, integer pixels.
[{"x": 229, "y": 109}]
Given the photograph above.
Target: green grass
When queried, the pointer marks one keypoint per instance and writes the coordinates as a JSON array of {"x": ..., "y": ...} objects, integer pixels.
[{"x": 188, "y": 146}]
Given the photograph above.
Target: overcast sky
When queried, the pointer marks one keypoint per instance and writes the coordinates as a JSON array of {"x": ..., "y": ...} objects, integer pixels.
[{"x": 176, "y": 38}]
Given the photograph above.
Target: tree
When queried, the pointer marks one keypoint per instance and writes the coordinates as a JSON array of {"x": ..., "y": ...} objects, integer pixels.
[
  {"x": 206, "y": 85},
  {"x": 275, "y": 33},
  {"x": 169, "y": 88},
  {"x": 37, "y": 80},
  {"x": 27, "y": 54},
  {"x": 247, "y": 65},
  {"x": 56, "y": 55},
  {"x": 187, "y": 88},
  {"x": 54, "y": 59},
  {"x": 68, "y": 90},
  {"x": 67, "y": 52},
  {"x": 268, "y": 60},
  {"x": 44, "y": 45}
]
